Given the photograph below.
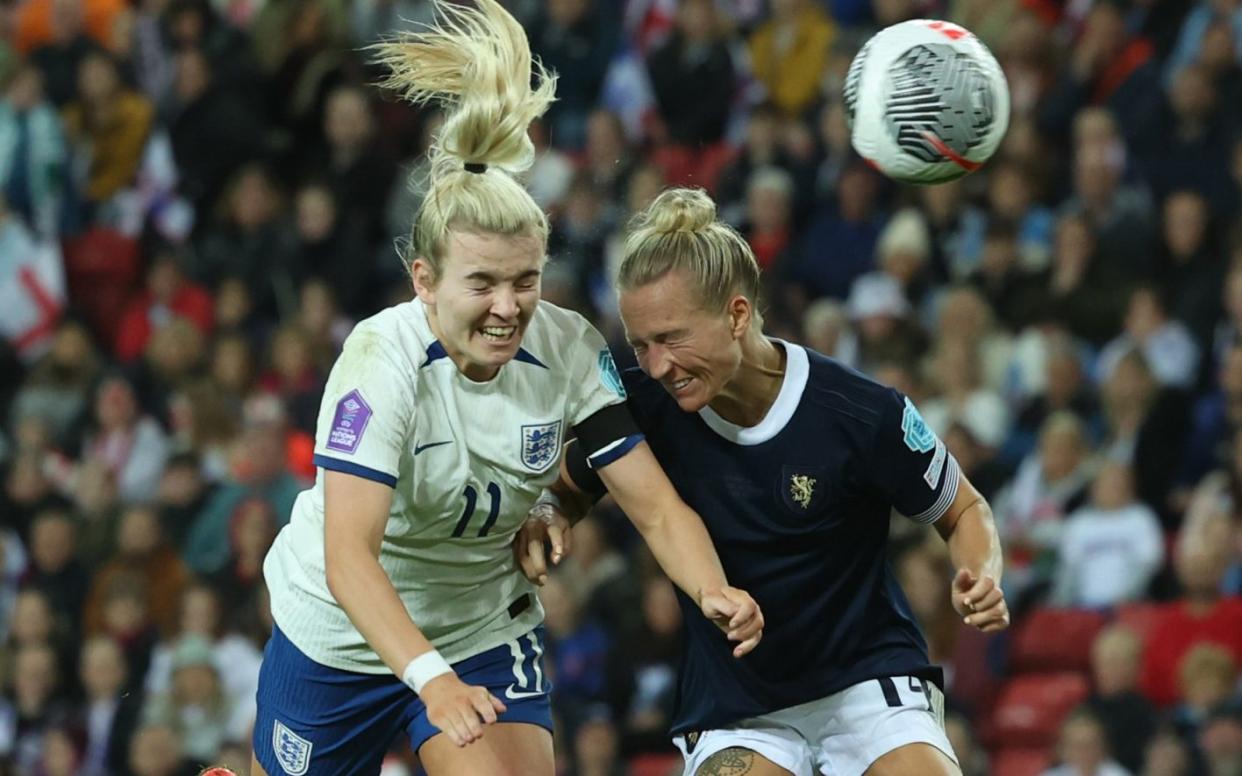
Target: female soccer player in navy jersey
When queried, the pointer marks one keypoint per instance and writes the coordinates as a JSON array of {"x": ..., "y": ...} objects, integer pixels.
[{"x": 795, "y": 463}]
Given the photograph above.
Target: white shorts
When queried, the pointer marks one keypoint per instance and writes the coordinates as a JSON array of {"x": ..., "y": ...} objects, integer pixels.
[{"x": 840, "y": 735}]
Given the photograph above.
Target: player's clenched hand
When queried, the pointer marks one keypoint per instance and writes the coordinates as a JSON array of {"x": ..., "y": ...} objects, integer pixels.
[
  {"x": 735, "y": 613},
  {"x": 544, "y": 525},
  {"x": 459, "y": 710},
  {"x": 980, "y": 601}
]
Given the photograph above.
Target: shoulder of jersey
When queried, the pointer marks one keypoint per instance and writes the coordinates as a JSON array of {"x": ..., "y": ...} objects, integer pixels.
[
  {"x": 550, "y": 332},
  {"x": 397, "y": 329},
  {"x": 845, "y": 391}
]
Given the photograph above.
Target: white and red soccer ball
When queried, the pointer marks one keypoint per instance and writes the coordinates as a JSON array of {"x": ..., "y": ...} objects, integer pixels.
[{"x": 926, "y": 101}]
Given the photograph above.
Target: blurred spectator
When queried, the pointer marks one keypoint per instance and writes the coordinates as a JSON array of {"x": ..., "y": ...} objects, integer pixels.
[
  {"x": 547, "y": 180},
  {"x": 252, "y": 529},
  {"x": 1083, "y": 749},
  {"x": 38, "y": 703},
  {"x": 1030, "y": 513},
  {"x": 249, "y": 242},
  {"x": 308, "y": 64},
  {"x": 195, "y": 25},
  {"x": 1119, "y": 214},
  {"x": 33, "y": 157},
  {"x": 826, "y": 329},
  {"x": 57, "y": 389},
  {"x": 1086, "y": 296},
  {"x": 652, "y": 659},
  {"x": 1207, "y": 677},
  {"x": 260, "y": 472},
  {"x": 233, "y": 368},
  {"x": 1220, "y": 740},
  {"x": 1107, "y": 67},
  {"x": 109, "y": 714},
  {"x": 141, "y": 549},
  {"x": 1195, "y": 28},
  {"x": 1192, "y": 136},
  {"x": 769, "y": 216},
  {"x": 1216, "y": 420},
  {"x": 1147, "y": 428},
  {"x": 233, "y": 655},
  {"x": 34, "y": 621},
  {"x": 9, "y": 58},
  {"x": 107, "y": 126},
  {"x": 1014, "y": 293},
  {"x": 962, "y": 398},
  {"x": 576, "y": 39},
  {"x": 1191, "y": 270},
  {"x": 128, "y": 442},
  {"x": 321, "y": 320},
  {"x": 1128, "y": 718},
  {"x": 331, "y": 246},
  {"x": 182, "y": 494},
  {"x": 354, "y": 165},
  {"x": 168, "y": 294},
  {"x": 212, "y": 128},
  {"x": 155, "y": 750},
  {"x": 692, "y": 76},
  {"x": 789, "y": 51},
  {"x": 1011, "y": 200},
  {"x": 1200, "y": 615},
  {"x": 1061, "y": 386},
  {"x": 294, "y": 377},
  {"x": 54, "y": 565},
  {"x": 882, "y": 319},
  {"x": 63, "y": 46},
  {"x": 195, "y": 705},
  {"x": 839, "y": 243},
  {"x": 970, "y": 757},
  {"x": 63, "y": 749},
  {"x": 607, "y": 159},
  {"x": 126, "y": 621},
  {"x": 957, "y": 230},
  {"x": 902, "y": 252},
  {"x": 762, "y": 148},
  {"x": 597, "y": 745},
  {"x": 1110, "y": 550},
  {"x": 204, "y": 424},
  {"x": 1166, "y": 755}
]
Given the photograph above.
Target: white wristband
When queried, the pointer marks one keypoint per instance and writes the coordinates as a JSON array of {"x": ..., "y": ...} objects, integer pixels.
[
  {"x": 548, "y": 497},
  {"x": 423, "y": 669}
]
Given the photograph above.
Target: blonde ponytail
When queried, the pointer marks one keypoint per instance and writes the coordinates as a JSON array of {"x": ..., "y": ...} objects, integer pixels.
[
  {"x": 476, "y": 62},
  {"x": 679, "y": 231}
]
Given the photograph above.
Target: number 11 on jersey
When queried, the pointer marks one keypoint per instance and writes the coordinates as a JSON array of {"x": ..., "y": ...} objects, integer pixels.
[{"x": 493, "y": 512}]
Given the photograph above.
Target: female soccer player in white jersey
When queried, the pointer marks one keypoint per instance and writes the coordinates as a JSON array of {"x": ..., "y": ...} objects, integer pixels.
[
  {"x": 397, "y": 602},
  {"x": 795, "y": 463}
]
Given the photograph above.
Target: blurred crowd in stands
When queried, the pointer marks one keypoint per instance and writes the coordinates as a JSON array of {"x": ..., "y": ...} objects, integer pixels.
[{"x": 200, "y": 197}]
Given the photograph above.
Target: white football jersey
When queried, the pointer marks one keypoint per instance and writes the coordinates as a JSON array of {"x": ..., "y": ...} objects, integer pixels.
[{"x": 466, "y": 461}]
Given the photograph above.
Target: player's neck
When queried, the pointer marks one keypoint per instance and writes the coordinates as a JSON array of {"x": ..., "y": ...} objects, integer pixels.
[{"x": 745, "y": 401}]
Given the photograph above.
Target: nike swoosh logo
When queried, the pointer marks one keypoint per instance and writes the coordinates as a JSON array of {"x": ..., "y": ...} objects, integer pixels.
[
  {"x": 419, "y": 448},
  {"x": 517, "y": 696}
]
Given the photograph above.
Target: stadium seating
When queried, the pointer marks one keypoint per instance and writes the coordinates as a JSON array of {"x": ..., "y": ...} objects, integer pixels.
[
  {"x": 1030, "y": 708},
  {"x": 1055, "y": 640}
]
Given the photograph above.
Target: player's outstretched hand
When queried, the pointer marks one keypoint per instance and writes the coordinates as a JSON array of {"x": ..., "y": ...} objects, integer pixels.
[
  {"x": 735, "y": 613},
  {"x": 545, "y": 525},
  {"x": 459, "y": 710},
  {"x": 980, "y": 601}
]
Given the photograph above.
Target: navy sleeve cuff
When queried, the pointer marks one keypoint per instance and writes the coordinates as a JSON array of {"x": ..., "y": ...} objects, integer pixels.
[{"x": 358, "y": 470}]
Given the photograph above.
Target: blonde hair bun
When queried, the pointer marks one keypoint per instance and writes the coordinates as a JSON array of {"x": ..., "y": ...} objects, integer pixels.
[{"x": 681, "y": 210}]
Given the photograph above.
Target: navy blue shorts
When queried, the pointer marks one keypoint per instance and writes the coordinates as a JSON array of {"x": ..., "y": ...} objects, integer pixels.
[{"x": 319, "y": 721}]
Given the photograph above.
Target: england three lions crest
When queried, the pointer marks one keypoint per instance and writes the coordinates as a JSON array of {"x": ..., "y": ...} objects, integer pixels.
[
  {"x": 292, "y": 751},
  {"x": 540, "y": 444}
]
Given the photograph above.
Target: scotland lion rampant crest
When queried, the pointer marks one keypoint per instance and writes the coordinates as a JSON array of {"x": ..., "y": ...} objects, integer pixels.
[
  {"x": 292, "y": 751},
  {"x": 540, "y": 444}
]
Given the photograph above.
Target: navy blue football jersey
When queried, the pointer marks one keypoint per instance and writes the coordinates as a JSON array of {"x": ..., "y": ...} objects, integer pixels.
[{"x": 798, "y": 508}]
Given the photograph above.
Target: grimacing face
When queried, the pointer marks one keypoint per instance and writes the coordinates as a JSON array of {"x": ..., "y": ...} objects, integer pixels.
[
  {"x": 483, "y": 298},
  {"x": 692, "y": 352}
]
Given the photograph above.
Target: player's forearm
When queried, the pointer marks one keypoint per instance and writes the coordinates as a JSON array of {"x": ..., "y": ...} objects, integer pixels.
[
  {"x": 364, "y": 591},
  {"x": 681, "y": 545},
  {"x": 975, "y": 544}
]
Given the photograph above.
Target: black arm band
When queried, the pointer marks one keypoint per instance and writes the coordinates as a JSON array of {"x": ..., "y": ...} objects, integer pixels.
[
  {"x": 604, "y": 428},
  {"x": 585, "y": 478}
]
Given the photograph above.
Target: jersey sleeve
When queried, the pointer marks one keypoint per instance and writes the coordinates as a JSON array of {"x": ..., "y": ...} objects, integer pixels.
[
  {"x": 367, "y": 413},
  {"x": 910, "y": 464},
  {"x": 596, "y": 381}
]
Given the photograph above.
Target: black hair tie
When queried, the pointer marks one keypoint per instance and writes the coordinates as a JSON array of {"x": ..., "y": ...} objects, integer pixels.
[{"x": 478, "y": 168}]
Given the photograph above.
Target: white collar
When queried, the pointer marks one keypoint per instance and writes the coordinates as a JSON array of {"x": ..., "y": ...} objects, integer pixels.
[{"x": 797, "y": 370}]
